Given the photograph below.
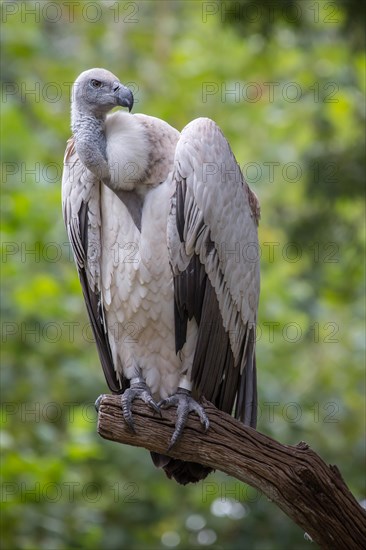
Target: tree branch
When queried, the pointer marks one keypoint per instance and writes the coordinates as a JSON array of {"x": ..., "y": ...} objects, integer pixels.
[{"x": 311, "y": 493}]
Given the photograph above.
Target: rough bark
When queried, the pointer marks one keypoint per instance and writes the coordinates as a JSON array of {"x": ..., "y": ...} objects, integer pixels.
[{"x": 313, "y": 494}]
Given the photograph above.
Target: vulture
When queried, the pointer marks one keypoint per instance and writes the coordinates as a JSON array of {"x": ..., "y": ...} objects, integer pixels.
[{"x": 163, "y": 229}]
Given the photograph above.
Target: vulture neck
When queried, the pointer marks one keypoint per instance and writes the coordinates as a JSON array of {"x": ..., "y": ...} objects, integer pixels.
[
  {"x": 90, "y": 141},
  {"x": 87, "y": 126},
  {"x": 91, "y": 146}
]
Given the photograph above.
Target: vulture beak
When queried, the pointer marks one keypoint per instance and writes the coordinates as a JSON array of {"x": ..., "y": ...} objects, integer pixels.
[{"x": 123, "y": 95}]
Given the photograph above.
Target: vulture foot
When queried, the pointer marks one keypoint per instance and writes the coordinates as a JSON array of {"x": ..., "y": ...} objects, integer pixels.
[
  {"x": 137, "y": 390},
  {"x": 185, "y": 404}
]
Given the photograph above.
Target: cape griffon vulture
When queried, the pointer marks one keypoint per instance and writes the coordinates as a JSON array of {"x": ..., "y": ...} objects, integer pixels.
[{"x": 163, "y": 229}]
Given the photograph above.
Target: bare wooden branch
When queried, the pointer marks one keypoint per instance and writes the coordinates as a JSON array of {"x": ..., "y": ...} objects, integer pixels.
[{"x": 311, "y": 493}]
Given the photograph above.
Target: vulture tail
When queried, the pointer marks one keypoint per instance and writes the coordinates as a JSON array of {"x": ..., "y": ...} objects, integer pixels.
[{"x": 182, "y": 472}]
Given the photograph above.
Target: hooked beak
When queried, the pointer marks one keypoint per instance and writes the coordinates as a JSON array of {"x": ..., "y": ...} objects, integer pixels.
[{"x": 123, "y": 95}]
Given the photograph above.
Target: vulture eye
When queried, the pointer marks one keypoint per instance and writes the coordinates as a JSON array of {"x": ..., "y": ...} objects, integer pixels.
[{"x": 95, "y": 83}]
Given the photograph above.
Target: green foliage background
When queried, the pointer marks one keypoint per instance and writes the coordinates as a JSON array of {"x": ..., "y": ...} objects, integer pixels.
[{"x": 297, "y": 131}]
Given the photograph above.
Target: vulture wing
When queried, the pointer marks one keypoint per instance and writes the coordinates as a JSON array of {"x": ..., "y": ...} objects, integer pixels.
[
  {"x": 81, "y": 211},
  {"x": 213, "y": 243}
]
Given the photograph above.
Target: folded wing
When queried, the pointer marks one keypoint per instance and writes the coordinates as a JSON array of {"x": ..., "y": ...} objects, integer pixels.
[
  {"x": 213, "y": 244},
  {"x": 81, "y": 211}
]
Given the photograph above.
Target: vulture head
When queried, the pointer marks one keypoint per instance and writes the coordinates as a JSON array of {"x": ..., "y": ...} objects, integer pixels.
[
  {"x": 94, "y": 93},
  {"x": 97, "y": 91}
]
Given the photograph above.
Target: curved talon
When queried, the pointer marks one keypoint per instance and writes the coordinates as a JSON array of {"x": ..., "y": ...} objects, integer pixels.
[
  {"x": 136, "y": 391},
  {"x": 152, "y": 404},
  {"x": 97, "y": 402},
  {"x": 185, "y": 404}
]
